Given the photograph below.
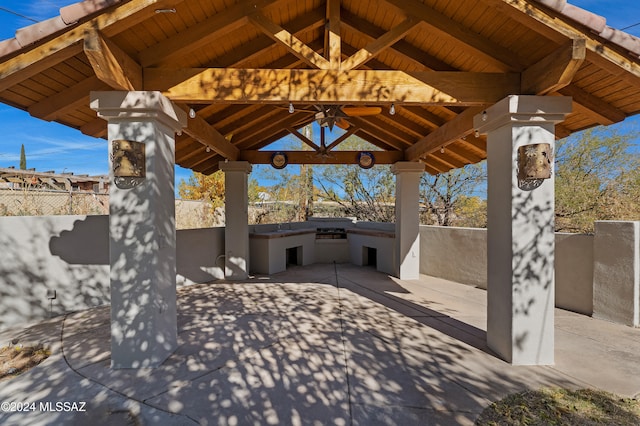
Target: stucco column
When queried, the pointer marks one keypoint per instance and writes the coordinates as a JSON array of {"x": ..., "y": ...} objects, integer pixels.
[
  {"x": 520, "y": 240},
  {"x": 142, "y": 232},
  {"x": 236, "y": 210},
  {"x": 407, "y": 251}
]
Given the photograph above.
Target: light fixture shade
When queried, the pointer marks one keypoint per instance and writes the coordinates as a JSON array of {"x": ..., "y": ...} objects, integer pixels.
[
  {"x": 279, "y": 160},
  {"x": 366, "y": 160}
]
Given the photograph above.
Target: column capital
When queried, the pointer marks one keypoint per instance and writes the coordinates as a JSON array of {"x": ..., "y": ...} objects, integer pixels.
[
  {"x": 407, "y": 167},
  {"x": 523, "y": 110},
  {"x": 136, "y": 106},
  {"x": 235, "y": 166}
]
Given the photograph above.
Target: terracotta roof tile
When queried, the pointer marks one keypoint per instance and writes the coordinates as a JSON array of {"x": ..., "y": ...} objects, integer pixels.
[
  {"x": 28, "y": 35},
  {"x": 8, "y": 46},
  {"x": 69, "y": 15},
  {"x": 73, "y": 13},
  {"x": 557, "y": 5},
  {"x": 76, "y": 11},
  {"x": 628, "y": 41},
  {"x": 597, "y": 23}
]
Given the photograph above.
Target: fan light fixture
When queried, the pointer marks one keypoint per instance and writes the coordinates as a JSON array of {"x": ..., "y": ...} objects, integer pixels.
[
  {"x": 279, "y": 160},
  {"x": 366, "y": 160}
]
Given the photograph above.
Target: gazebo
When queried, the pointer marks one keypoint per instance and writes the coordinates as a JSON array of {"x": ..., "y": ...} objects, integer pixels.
[{"x": 436, "y": 85}]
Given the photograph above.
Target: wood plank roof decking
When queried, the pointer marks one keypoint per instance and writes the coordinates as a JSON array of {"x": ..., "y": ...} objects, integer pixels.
[{"x": 239, "y": 64}]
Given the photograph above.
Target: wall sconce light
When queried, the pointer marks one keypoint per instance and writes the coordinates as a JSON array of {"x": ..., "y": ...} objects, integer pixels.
[
  {"x": 279, "y": 160},
  {"x": 392, "y": 110},
  {"x": 128, "y": 161},
  {"x": 366, "y": 160},
  {"x": 534, "y": 162}
]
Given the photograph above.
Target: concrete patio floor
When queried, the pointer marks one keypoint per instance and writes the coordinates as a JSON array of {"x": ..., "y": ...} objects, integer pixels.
[{"x": 320, "y": 345}]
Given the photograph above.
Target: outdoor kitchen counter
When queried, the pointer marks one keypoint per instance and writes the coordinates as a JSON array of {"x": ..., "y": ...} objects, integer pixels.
[
  {"x": 282, "y": 233},
  {"x": 372, "y": 232}
]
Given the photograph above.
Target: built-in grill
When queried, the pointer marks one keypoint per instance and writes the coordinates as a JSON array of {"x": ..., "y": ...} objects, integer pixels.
[{"x": 330, "y": 234}]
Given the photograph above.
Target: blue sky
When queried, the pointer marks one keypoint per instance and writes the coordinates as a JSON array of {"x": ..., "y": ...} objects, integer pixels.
[{"x": 50, "y": 146}]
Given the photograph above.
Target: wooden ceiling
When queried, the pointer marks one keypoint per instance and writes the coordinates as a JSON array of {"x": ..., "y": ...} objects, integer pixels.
[{"x": 240, "y": 64}]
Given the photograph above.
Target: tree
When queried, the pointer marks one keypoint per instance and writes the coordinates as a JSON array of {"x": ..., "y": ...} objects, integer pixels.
[
  {"x": 596, "y": 179},
  {"x": 448, "y": 197},
  {"x": 23, "y": 158},
  {"x": 202, "y": 187},
  {"x": 367, "y": 194},
  {"x": 211, "y": 188}
]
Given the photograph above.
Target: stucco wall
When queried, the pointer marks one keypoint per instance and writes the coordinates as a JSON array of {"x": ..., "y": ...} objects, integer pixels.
[
  {"x": 460, "y": 254},
  {"x": 70, "y": 254}
]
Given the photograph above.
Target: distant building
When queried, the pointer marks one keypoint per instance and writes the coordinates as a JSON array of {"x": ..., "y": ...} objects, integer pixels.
[{"x": 12, "y": 178}]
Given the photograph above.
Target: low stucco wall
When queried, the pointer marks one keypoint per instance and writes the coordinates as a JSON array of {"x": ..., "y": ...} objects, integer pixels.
[
  {"x": 460, "y": 254},
  {"x": 70, "y": 254}
]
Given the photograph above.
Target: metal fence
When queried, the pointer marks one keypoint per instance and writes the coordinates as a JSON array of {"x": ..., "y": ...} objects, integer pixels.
[
  {"x": 27, "y": 202},
  {"x": 40, "y": 202}
]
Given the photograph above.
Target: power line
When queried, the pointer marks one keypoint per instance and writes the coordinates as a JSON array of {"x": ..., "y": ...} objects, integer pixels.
[
  {"x": 630, "y": 26},
  {"x": 18, "y": 14}
]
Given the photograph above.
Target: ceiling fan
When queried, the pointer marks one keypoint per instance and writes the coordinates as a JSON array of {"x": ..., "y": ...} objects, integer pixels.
[{"x": 337, "y": 115}]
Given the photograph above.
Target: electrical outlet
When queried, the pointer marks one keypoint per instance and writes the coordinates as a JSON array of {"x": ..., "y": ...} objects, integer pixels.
[{"x": 51, "y": 294}]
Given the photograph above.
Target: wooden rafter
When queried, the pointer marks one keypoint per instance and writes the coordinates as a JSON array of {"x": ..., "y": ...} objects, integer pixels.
[
  {"x": 350, "y": 131},
  {"x": 110, "y": 63},
  {"x": 219, "y": 25},
  {"x": 333, "y": 40},
  {"x": 558, "y": 30},
  {"x": 500, "y": 58},
  {"x": 303, "y": 138},
  {"x": 204, "y": 133},
  {"x": 54, "y": 107},
  {"x": 289, "y": 41},
  {"x": 595, "y": 107},
  {"x": 311, "y": 157},
  {"x": 555, "y": 71},
  {"x": 278, "y": 86},
  {"x": 458, "y": 128},
  {"x": 372, "y": 49},
  {"x": 59, "y": 49}
]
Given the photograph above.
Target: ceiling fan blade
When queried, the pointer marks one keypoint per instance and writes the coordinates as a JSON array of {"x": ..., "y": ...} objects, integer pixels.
[
  {"x": 342, "y": 123},
  {"x": 361, "y": 111}
]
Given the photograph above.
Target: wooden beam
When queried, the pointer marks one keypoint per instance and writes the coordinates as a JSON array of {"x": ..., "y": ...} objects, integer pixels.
[
  {"x": 262, "y": 131},
  {"x": 110, "y": 63},
  {"x": 192, "y": 39},
  {"x": 350, "y": 131},
  {"x": 373, "y": 48},
  {"x": 311, "y": 157},
  {"x": 203, "y": 132},
  {"x": 69, "y": 99},
  {"x": 555, "y": 71},
  {"x": 458, "y": 128},
  {"x": 485, "y": 50},
  {"x": 418, "y": 58},
  {"x": 381, "y": 87},
  {"x": 303, "y": 138},
  {"x": 603, "y": 112},
  {"x": 558, "y": 28},
  {"x": 333, "y": 45},
  {"x": 292, "y": 43},
  {"x": 54, "y": 51}
]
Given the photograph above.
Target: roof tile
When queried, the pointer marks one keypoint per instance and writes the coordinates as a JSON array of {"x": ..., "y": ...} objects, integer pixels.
[
  {"x": 625, "y": 40},
  {"x": 597, "y": 23},
  {"x": 32, "y": 33},
  {"x": 75, "y": 12}
]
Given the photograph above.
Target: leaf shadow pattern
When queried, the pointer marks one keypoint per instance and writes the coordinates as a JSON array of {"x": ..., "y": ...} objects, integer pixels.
[{"x": 322, "y": 344}]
